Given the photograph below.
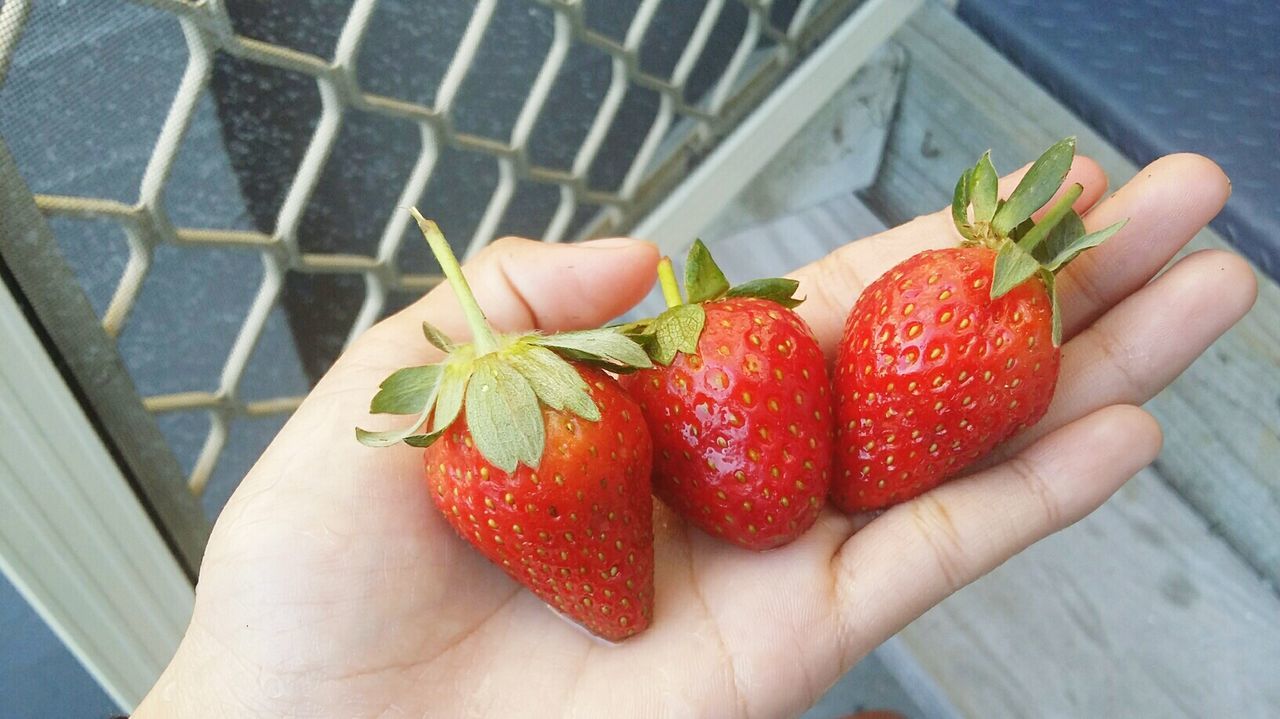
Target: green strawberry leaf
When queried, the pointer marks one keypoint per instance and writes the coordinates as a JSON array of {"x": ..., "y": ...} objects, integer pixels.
[
  {"x": 677, "y": 330},
  {"x": 423, "y": 440},
  {"x": 1014, "y": 266},
  {"x": 389, "y": 437},
  {"x": 1063, "y": 234},
  {"x": 1051, "y": 218},
  {"x": 774, "y": 289},
  {"x": 1037, "y": 187},
  {"x": 554, "y": 380},
  {"x": 1018, "y": 232},
  {"x": 607, "y": 346},
  {"x": 632, "y": 329},
  {"x": 594, "y": 361},
  {"x": 406, "y": 391},
  {"x": 438, "y": 339},
  {"x": 453, "y": 385},
  {"x": 503, "y": 415},
  {"x": 703, "y": 279},
  {"x": 983, "y": 192},
  {"x": 1050, "y": 284},
  {"x": 1069, "y": 250},
  {"x": 960, "y": 204}
]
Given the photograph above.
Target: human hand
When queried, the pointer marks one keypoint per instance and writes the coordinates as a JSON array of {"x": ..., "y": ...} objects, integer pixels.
[{"x": 332, "y": 587}]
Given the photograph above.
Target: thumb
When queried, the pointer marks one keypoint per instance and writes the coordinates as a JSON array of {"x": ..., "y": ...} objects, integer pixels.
[{"x": 521, "y": 284}]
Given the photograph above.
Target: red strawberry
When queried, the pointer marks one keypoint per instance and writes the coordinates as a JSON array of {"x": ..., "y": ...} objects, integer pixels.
[
  {"x": 932, "y": 374},
  {"x": 578, "y": 530},
  {"x": 538, "y": 461},
  {"x": 952, "y": 351},
  {"x": 741, "y": 414}
]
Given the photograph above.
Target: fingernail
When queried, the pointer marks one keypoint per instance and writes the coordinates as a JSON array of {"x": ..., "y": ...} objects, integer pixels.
[{"x": 611, "y": 243}]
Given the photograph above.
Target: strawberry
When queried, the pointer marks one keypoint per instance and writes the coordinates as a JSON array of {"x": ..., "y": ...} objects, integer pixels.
[
  {"x": 738, "y": 407},
  {"x": 578, "y": 529},
  {"x": 537, "y": 458},
  {"x": 952, "y": 351}
]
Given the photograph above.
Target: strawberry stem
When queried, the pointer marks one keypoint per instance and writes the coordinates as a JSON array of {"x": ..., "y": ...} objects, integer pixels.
[
  {"x": 481, "y": 332},
  {"x": 1051, "y": 218},
  {"x": 667, "y": 280}
]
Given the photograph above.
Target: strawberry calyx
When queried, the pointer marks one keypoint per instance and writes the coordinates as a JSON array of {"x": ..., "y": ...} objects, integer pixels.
[
  {"x": 680, "y": 326},
  {"x": 1026, "y": 248},
  {"x": 498, "y": 382}
]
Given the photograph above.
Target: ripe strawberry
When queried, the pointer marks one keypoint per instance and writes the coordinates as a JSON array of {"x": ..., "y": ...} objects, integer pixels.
[
  {"x": 578, "y": 530},
  {"x": 739, "y": 409},
  {"x": 538, "y": 461},
  {"x": 952, "y": 351}
]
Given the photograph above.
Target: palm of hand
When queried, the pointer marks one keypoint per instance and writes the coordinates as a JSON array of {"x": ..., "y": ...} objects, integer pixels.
[
  {"x": 331, "y": 586},
  {"x": 384, "y": 610}
]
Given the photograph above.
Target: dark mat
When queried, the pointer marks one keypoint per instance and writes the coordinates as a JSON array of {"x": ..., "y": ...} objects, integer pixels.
[{"x": 1162, "y": 76}]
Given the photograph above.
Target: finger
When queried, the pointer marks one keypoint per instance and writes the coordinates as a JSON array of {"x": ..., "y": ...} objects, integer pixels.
[
  {"x": 521, "y": 284},
  {"x": 831, "y": 285},
  {"x": 557, "y": 287},
  {"x": 1166, "y": 203},
  {"x": 917, "y": 553},
  {"x": 1145, "y": 342}
]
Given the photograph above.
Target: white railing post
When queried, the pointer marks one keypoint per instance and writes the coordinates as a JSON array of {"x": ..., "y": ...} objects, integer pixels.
[{"x": 73, "y": 538}]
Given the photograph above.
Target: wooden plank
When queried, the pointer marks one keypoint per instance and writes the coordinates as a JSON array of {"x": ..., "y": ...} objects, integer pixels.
[
  {"x": 1142, "y": 609},
  {"x": 1221, "y": 418},
  {"x": 754, "y": 143},
  {"x": 837, "y": 152},
  {"x": 1138, "y": 610},
  {"x": 787, "y": 215}
]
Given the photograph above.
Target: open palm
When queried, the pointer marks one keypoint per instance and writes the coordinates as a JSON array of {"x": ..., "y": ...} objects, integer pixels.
[{"x": 331, "y": 587}]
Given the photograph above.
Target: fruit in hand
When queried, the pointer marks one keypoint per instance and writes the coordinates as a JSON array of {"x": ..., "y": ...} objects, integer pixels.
[
  {"x": 738, "y": 407},
  {"x": 536, "y": 457},
  {"x": 952, "y": 351}
]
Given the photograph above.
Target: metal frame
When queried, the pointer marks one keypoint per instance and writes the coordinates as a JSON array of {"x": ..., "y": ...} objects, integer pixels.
[{"x": 682, "y": 132}]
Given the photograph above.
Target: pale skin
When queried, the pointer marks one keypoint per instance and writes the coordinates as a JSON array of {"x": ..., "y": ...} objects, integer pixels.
[{"x": 331, "y": 587}]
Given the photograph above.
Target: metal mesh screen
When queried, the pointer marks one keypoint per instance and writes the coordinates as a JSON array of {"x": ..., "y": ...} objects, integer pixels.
[{"x": 558, "y": 119}]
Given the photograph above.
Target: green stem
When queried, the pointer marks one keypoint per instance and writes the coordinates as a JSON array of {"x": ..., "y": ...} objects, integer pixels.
[
  {"x": 481, "y": 332},
  {"x": 1051, "y": 218},
  {"x": 667, "y": 280}
]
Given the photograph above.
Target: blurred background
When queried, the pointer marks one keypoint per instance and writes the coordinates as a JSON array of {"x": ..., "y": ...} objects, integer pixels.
[{"x": 200, "y": 210}]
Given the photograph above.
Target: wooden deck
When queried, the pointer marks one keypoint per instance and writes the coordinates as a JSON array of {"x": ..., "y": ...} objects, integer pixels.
[{"x": 1163, "y": 602}]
